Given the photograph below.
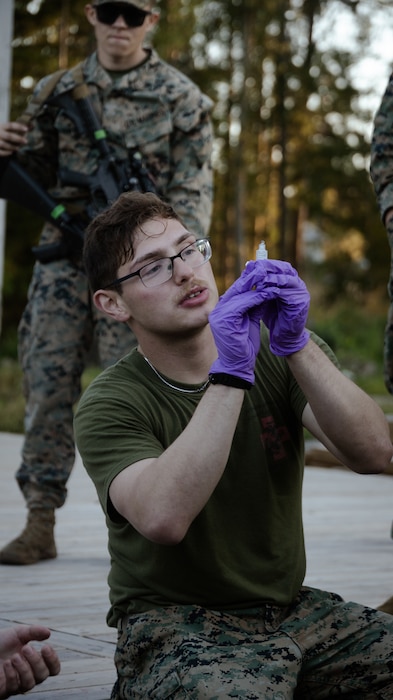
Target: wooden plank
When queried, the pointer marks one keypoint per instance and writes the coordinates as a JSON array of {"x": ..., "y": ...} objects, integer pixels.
[
  {"x": 95, "y": 693},
  {"x": 347, "y": 522}
]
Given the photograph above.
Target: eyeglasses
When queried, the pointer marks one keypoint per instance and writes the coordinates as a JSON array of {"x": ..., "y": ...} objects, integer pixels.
[
  {"x": 108, "y": 12},
  {"x": 155, "y": 273}
]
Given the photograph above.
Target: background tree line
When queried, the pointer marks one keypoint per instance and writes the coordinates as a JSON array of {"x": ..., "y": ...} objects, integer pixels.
[{"x": 291, "y": 135}]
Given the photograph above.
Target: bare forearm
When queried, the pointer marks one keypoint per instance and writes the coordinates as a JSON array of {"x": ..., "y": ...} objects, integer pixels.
[
  {"x": 352, "y": 425},
  {"x": 161, "y": 497}
]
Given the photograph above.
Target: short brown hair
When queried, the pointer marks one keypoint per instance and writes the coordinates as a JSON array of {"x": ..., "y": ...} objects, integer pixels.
[{"x": 109, "y": 238}]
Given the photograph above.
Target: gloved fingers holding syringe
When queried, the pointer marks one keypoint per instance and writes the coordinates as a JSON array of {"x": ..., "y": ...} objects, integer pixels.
[
  {"x": 267, "y": 290},
  {"x": 286, "y": 302}
]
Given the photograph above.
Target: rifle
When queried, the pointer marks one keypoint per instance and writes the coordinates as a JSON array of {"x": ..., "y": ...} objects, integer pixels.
[
  {"x": 17, "y": 186},
  {"x": 113, "y": 176}
]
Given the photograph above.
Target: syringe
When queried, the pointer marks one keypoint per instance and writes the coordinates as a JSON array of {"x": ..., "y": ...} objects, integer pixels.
[{"x": 261, "y": 253}]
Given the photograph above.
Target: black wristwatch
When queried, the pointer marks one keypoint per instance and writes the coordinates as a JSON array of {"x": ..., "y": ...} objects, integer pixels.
[{"x": 230, "y": 380}]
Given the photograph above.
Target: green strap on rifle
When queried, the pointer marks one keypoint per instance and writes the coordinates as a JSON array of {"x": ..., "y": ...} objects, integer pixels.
[{"x": 57, "y": 211}]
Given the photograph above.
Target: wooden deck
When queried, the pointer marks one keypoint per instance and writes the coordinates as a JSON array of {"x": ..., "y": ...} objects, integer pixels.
[{"x": 347, "y": 521}]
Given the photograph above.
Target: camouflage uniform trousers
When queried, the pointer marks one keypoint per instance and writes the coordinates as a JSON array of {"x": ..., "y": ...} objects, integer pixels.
[
  {"x": 319, "y": 647},
  {"x": 388, "y": 340},
  {"x": 55, "y": 338}
]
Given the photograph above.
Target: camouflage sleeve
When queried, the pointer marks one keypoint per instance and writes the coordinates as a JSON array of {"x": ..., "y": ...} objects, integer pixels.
[
  {"x": 190, "y": 189},
  {"x": 381, "y": 166}
]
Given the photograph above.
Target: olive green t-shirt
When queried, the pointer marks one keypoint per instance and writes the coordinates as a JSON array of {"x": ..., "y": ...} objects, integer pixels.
[{"x": 246, "y": 546}]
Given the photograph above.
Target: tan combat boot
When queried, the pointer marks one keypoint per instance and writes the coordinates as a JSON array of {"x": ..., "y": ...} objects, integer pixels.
[{"x": 36, "y": 542}]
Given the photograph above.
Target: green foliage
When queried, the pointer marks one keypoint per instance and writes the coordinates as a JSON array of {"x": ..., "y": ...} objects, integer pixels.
[{"x": 355, "y": 333}]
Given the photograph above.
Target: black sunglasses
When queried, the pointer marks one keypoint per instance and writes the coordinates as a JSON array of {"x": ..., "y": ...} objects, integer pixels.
[{"x": 108, "y": 12}]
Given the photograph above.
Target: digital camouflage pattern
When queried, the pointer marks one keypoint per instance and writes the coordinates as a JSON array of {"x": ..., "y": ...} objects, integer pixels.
[
  {"x": 381, "y": 170},
  {"x": 158, "y": 111},
  {"x": 319, "y": 647},
  {"x": 388, "y": 339},
  {"x": 381, "y": 166}
]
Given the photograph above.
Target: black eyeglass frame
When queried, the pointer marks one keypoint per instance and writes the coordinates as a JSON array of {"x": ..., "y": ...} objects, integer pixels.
[
  {"x": 128, "y": 11},
  {"x": 204, "y": 241}
]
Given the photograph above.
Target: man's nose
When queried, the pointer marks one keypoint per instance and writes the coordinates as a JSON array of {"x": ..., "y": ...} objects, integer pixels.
[
  {"x": 119, "y": 22},
  {"x": 181, "y": 269}
]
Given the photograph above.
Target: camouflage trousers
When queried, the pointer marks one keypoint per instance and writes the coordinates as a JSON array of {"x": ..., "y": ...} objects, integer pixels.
[
  {"x": 57, "y": 331},
  {"x": 319, "y": 647},
  {"x": 388, "y": 340}
]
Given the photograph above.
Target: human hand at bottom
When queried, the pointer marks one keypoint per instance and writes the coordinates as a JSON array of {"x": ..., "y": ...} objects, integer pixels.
[{"x": 22, "y": 667}]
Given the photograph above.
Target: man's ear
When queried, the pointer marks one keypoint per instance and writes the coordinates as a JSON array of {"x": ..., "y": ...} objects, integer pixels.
[
  {"x": 112, "y": 304},
  {"x": 152, "y": 20},
  {"x": 91, "y": 14}
]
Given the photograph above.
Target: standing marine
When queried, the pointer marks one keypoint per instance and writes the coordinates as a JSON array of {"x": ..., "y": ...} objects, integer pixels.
[{"x": 155, "y": 134}]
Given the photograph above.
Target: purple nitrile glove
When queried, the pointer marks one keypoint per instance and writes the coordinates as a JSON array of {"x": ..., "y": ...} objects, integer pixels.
[
  {"x": 285, "y": 307},
  {"x": 235, "y": 324}
]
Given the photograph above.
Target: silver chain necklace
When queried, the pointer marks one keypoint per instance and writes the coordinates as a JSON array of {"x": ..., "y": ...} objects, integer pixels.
[{"x": 172, "y": 386}]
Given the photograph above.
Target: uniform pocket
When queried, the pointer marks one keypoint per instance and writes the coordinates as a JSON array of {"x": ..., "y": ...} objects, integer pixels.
[{"x": 170, "y": 688}]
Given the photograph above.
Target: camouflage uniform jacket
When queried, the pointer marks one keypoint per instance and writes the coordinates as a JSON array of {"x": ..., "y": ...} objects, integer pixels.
[
  {"x": 381, "y": 168},
  {"x": 154, "y": 109}
]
